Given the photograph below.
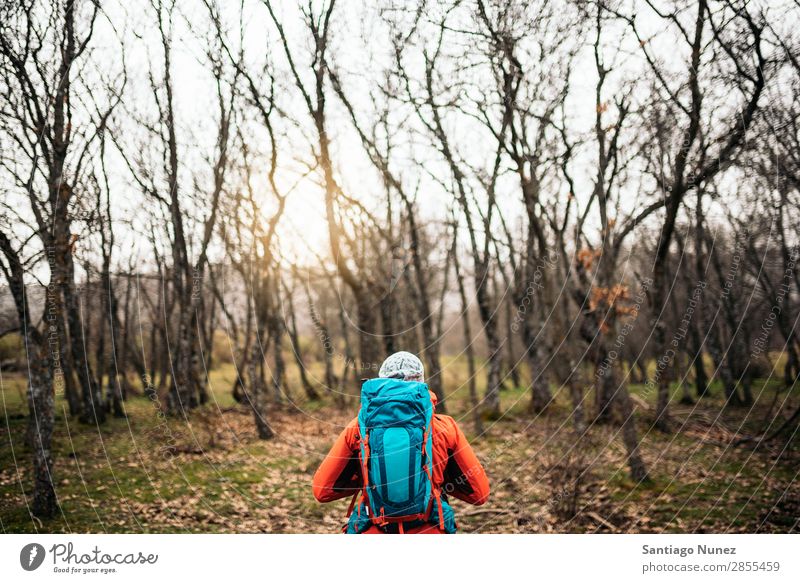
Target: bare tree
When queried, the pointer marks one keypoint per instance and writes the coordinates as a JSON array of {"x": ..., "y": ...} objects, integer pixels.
[
  {"x": 698, "y": 148},
  {"x": 318, "y": 25},
  {"x": 48, "y": 166}
]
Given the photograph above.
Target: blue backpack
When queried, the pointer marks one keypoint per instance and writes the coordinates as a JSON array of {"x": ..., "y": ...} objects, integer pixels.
[{"x": 395, "y": 425}]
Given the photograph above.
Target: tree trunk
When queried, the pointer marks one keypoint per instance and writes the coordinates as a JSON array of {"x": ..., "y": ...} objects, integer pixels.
[
  {"x": 662, "y": 417},
  {"x": 181, "y": 397},
  {"x": 540, "y": 386},
  {"x": 368, "y": 348},
  {"x": 488, "y": 318},
  {"x": 349, "y": 362},
  {"x": 116, "y": 373},
  {"x": 67, "y": 369},
  {"x": 280, "y": 388},
  {"x": 100, "y": 347},
  {"x": 41, "y": 396},
  {"x": 492, "y": 396},
  {"x": 294, "y": 337},
  {"x": 256, "y": 397},
  {"x": 629, "y": 437},
  {"x": 331, "y": 383},
  {"x": 512, "y": 363},
  {"x": 242, "y": 365},
  {"x": 387, "y": 307},
  {"x": 604, "y": 382},
  {"x": 468, "y": 343},
  {"x": 93, "y": 410},
  {"x": 43, "y": 400},
  {"x": 620, "y": 398},
  {"x": 700, "y": 375},
  {"x": 576, "y": 397}
]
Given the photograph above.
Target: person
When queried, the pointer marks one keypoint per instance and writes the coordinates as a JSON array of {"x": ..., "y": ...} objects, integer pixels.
[{"x": 455, "y": 470}]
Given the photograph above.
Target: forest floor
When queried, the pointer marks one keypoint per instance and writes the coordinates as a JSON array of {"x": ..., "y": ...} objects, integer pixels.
[{"x": 150, "y": 473}]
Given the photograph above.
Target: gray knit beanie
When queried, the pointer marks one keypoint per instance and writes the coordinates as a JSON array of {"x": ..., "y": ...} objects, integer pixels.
[{"x": 403, "y": 365}]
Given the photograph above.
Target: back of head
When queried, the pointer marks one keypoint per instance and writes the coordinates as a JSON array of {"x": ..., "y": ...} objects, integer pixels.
[{"x": 403, "y": 365}]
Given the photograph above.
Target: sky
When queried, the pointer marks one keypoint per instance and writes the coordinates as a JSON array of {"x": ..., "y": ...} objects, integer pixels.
[{"x": 360, "y": 49}]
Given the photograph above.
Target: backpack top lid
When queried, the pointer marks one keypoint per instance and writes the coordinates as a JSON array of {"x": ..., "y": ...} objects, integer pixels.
[{"x": 387, "y": 386}]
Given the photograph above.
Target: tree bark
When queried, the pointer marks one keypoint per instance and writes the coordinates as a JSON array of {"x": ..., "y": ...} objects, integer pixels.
[
  {"x": 469, "y": 350},
  {"x": 41, "y": 396}
]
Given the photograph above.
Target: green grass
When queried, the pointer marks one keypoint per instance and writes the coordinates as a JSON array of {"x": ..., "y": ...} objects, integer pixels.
[{"x": 115, "y": 478}]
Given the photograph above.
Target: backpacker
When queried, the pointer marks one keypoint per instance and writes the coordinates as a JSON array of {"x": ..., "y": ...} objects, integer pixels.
[{"x": 396, "y": 449}]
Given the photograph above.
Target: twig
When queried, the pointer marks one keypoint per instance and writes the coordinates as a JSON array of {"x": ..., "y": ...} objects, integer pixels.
[{"x": 596, "y": 517}]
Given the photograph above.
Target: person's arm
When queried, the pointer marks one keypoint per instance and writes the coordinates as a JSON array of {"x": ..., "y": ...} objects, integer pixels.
[
  {"x": 339, "y": 475},
  {"x": 464, "y": 476}
]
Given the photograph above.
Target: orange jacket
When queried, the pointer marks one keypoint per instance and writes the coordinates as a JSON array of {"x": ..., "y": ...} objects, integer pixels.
[{"x": 456, "y": 469}]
